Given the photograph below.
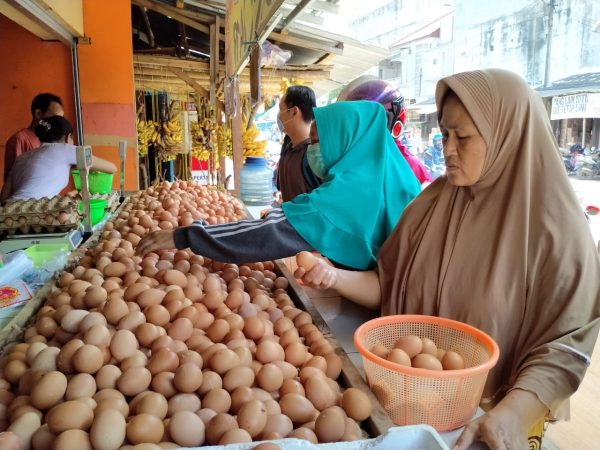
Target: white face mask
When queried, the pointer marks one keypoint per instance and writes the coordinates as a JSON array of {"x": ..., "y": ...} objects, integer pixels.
[
  {"x": 280, "y": 123},
  {"x": 315, "y": 159}
]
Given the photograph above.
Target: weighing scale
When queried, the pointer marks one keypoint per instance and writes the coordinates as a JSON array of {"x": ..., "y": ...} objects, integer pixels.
[{"x": 73, "y": 238}]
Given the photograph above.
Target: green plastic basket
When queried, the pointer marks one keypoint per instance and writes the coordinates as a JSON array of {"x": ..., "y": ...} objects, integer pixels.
[
  {"x": 42, "y": 253},
  {"x": 97, "y": 208},
  {"x": 99, "y": 182}
]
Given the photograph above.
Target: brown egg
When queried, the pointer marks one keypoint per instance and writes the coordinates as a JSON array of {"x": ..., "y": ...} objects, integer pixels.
[
  {"x": 206, "y": 414},
  {"x": 235, "y": 436},
  {"x": 115, "y": 269},
  {"x": 181, "y": 329},
  {"x": 97, "y": 335},
  {"x": 356, "y": 404},
  {"x": 70, "y": 439},
  {"x": 352, "y": 431},
  {"x": 123, "y": 344},
  {"x": 88, "y": 359},
  {"x": 218, "y": 400},
  {"x": 188, "y": 378},
  {"x": 429, "y": 347},
  {"x": 218, "y": 426},
  {"x": 49, "y": 390},
  {"x": 42, "y": 439},
  {"x": 95, "y": 296},
  {"x": 80, "y": 385},
  {"x": 268, "y": 351},
  {"x": 412, "y": 345},
  {"x": 426, "y": 361},
  {"x": 69, "y": 415},
  {"x": 145, "y": 428},
  {"x": 269, "y": 377},
  {"x": 224, "y": 360},
  {"x": 71, "y": 321},
  {"x": 157, "y": 315},
  {"x": 304, "y": 433},
  {"x": 108, "y": 429},
  {"x": 153, "y": 403},
  {"x": 296, "y": 354},
  {"x": 306, "y": 260},
  {"x": 174, "y": 277},
  {"x": 117, "y": 404},
  {"x": 298, "y": 408},
  {"x": 134, "y": 380},
  {"x": 380, "y": 350},
  {"x": 183, "y": 402},
  {"x": 237, "y": 377},
  {"x": 399, "y": 356},
  {"x": 278, "y": 423},
  {"x": 330, "y": 424},
  {"x": 187, "y": 429},
  {"x": 453, "y": 361},
  {"x": 150, "y": 297},
  {"x": 252, "y": 417},
  {"x": 319, "y": 393},
  {"x": 162, "y": 383}
]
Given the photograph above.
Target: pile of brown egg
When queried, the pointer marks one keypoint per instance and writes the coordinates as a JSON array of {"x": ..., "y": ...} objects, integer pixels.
[{"x": 171, "y": 349}]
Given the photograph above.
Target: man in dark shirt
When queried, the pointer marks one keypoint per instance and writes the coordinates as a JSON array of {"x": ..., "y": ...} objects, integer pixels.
[{"x": 294, "y": 176}]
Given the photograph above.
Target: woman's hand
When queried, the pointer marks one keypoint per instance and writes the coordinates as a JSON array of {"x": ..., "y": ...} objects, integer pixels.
[
  {"x": 505, "y": 427},
  {"x": 158, "y": 240},
  {"x": 321, "y": 276}
]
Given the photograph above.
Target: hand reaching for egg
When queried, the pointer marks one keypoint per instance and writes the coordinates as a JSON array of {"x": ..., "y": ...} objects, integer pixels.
[
  {"x": 314, "y": 272},
  {"x": 158, "y": 240}
]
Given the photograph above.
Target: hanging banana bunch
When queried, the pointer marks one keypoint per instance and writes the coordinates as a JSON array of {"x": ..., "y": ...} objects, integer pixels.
[
  {"x": 204, "y": 132},
  {"x": 224, "y": 142},
  {"x": 170, "y": 134},
  {"x": 287, "y": 82},
  {"x": 250, "y": 132},
  {"x": 146, "y": 134}
]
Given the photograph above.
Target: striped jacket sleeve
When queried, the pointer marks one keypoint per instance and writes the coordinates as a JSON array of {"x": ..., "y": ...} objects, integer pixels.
[{"x": 245, "y": 241}]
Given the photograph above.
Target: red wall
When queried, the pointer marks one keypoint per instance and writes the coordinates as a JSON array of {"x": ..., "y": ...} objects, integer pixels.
[{"x": 29, "y": 66}]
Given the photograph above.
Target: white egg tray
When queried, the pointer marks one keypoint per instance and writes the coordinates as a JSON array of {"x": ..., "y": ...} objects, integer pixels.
[{"x": 413, "y": 437}]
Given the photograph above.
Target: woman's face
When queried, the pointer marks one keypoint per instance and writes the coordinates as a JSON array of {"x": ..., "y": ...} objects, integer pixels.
[{"x": 464, "y": 147}]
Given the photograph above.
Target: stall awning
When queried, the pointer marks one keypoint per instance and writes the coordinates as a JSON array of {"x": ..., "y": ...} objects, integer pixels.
[{"x": 574, "y": 84}]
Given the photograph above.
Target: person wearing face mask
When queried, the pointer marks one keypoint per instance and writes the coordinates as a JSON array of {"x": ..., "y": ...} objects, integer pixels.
[
  {"x": 294, "y": 175},
  {"x": 366, "y": 185},
  {"x": 488, "y": 244}
]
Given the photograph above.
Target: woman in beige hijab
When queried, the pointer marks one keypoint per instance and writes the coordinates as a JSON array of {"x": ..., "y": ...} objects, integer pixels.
[{"x": 499, "y": 243}]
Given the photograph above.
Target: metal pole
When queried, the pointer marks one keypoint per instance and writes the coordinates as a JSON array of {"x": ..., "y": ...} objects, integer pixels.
[
  {"x": 550, "y": 14},
  {"x": 583, "y": 134},
  {"x": 75, "y": 69}
]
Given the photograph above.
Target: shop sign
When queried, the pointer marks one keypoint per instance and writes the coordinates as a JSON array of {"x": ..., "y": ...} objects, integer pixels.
[
  {"x": 245, "y": 21},
  {"x": 576, "y": 106}
]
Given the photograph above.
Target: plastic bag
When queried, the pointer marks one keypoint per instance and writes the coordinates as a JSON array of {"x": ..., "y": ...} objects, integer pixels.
[{"x": 272, "y": 55}]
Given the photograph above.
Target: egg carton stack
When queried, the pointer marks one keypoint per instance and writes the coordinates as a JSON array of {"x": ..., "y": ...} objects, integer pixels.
[
  {"x": 112, "y": 199},
  {"x": 45, "y": 215}
]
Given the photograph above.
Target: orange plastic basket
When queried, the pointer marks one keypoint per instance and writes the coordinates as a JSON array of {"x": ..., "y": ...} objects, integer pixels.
[{"x": 447, "y": 399}]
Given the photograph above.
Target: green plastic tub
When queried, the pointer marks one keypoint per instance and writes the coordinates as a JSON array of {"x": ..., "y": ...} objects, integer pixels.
[
  {"x": 42, "y": 253},
  {"x": 100, "y": 182},
  {"x": 97, "y": 208}
]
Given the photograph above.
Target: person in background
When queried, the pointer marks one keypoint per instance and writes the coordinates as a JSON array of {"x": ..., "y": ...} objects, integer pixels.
[
  {"x": 43, "y": 106},
  {"x": 294, "y": 176},
  {"x": 370, "y": 88},
  {"x": 488, "y": 244},
  {"x": 45, "y": 171},
  {"x": 434, "y": 156},
  {"x": 366, "y": 185}
]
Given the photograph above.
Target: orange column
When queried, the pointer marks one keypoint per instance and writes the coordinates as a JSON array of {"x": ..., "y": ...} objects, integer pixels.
[
  {"x": 29, "y": 66},
  {"x": 106, "y": 84}
]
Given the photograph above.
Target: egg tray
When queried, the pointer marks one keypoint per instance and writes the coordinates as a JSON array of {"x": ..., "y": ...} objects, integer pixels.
[
  {"x": 42, "y": 226},
  {"x": 38, "y": 206}
]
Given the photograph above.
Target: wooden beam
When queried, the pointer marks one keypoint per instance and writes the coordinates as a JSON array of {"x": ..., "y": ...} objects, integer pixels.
[
  {"x": 308, "y": 43},
  {"x": 325, "y": 59},
  {"x": 144, "y": 12},
  {"x": 293, "y": 14},
  {"x": 173, "y": 13},
  {"x": 189, "y": 80},
  {"x": 255, "y": 94}
]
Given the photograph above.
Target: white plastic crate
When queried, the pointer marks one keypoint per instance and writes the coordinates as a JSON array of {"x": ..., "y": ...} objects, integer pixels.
[{"x": 414, "y": 437}]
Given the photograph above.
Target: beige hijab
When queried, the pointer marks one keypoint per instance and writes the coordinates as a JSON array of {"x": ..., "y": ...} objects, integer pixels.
[{"x": 511, "y": 255}]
